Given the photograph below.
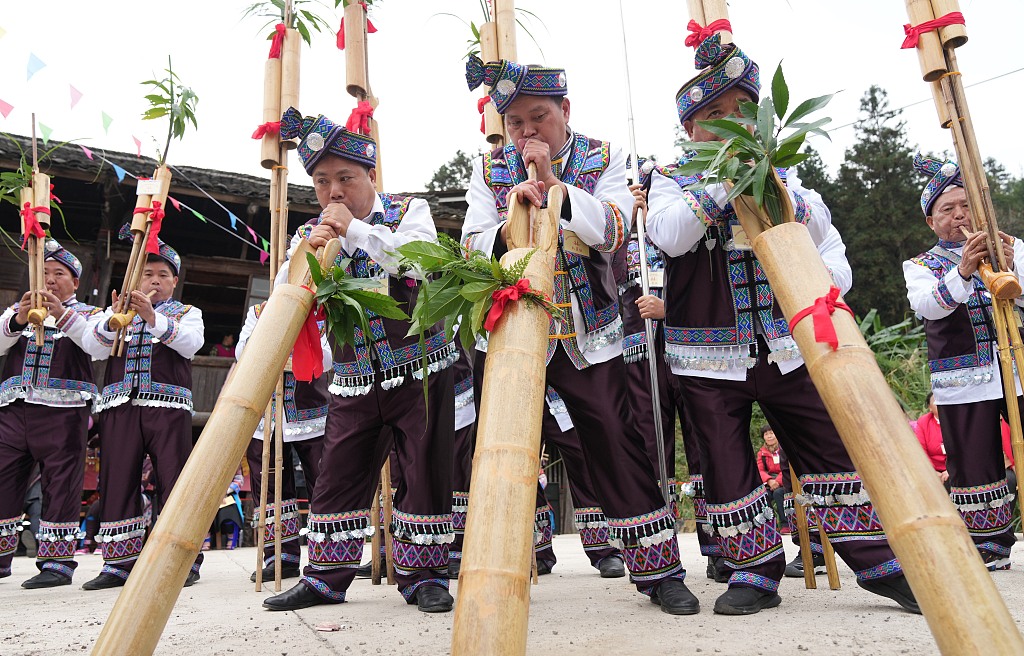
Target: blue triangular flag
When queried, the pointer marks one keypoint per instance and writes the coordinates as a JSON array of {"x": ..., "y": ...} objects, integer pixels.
[
  {"x": 233, "y": 218},
  {"x": 119, "y": 171},
  {"x": 35, "y": 64}
]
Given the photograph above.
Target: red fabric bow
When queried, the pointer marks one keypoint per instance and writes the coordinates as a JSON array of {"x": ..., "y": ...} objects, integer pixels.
[
  {"x": 32, "y": 227},
  {"x": 699, "y": 33},
  {"x": 501, "y": 298},
  {"x": 821, "y": 313},
  {"x": 914, "y": 32},
  {"x": 480, "y": 104},
  {"x": 308, "y": 353},
  {"x": 359, "y": 120},
  {"x": 370, "y": 29},
  {"x": 277, "y": 41},
  {"x": 272, "y": 127},
  {"x": 156, "y": 214},
  {"x": 54, "y": 197}
]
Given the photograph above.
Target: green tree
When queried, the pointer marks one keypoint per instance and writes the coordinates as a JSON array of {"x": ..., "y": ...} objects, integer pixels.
[
  {"x": 454, "y": 174},
  {"x": 875, "y": 204},
  {"x": 1007, "y": 197},
  {"x": 814, "y": 175}
]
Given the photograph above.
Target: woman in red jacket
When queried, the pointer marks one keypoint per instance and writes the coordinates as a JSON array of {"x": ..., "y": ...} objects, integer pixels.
[{"x": 771, "y": 472}]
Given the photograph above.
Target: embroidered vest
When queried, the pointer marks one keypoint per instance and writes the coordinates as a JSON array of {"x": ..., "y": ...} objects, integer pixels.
[
  {"x": 149, "y": 372},
  {"x": 962, "y": 340},
  {"x": 58, "y": 373},
  {"x": 634, "y": 344},
  {"x": 388, "y": 352},
  {"x": 589, "y": 279},
  {"x": 305, "y": 404},
  {"x": 718, "y": 293}
]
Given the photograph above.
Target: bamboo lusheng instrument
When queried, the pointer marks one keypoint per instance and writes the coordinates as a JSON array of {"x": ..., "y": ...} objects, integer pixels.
[
  {"x": 494, "y": 124},
  {"x": 706, "y": 12},
  {"x": 35, "y": 199},
  {"x": 142, "y": 221},
  {"x": 995, "y": 273},
  {"x": 141, "y": 610}
]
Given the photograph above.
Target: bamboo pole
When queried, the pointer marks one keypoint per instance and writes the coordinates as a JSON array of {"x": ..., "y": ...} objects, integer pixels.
[
  {"x": 804, "y": 531},
  {"x": 144, "y": 605},
  {"x": 357, "y": 78},
  {"x": 505, "y": 22},
  {"x": 952, "y": 36},
  {"x": 929, "y": 47},
  {"x": 717, "y": 10},
  {"x": 494, "y": 126},
  {"x": 375, "y": 510},
  {"x": 270, "y": 145},
  {"x": 389, "y": 554},
  {"x": 924, "y": 529},
  {"x": 290, "y": 57},
  {"x": 829, "y": 555}
]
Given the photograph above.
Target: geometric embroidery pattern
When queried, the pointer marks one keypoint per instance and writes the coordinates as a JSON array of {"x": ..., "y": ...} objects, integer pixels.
[
  {"x": 882, "y": 570},
  {"x": 333, "y": 554},
  {"x": 751, "y": 580},
  {"x": 652, "y": 563}
]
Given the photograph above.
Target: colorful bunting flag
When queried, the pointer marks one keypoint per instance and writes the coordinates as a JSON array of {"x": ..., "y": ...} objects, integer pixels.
[
  {"x": 46, "y": 131},
  {"x": 106, "y": 122},
  {"x": 119, "y": 171},
  {"x": 175, "y": 202},
  {"x": 35, "y": 65},
  {"x": 264, "y": 256},
  {"x": 234, "y": 220},
  {"x": 76, "y": 95},
  {"x": 88, "y": 153},
  {"x": 252, "y": 233},
  {"x": 138, "y": 146},
  {"x": 266, "y": 244},
  {"x": 197, "y": 215},
  {"x": 5, "y": 108}
]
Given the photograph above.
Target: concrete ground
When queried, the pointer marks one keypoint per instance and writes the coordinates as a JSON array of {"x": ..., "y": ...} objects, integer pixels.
[{"x": 573, "y": 611}]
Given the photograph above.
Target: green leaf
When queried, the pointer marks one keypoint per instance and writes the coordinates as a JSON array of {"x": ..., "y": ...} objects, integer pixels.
[
  {"x": 766, "y": 123},
  {"x": 477, "y": 291},
  {"x": 807, "y": 107},
  {"x": 790, "y": 160},
  {"x": 742, "y": 185},
  {"x": 727, "y": 129},
  {"x": 748, "y": 109},
  {"x": 780, "y": 92},
  {"x": 153, "y": 113},
  {"x": 760, "y": 179},
  {"x": 303, "y": 31}
]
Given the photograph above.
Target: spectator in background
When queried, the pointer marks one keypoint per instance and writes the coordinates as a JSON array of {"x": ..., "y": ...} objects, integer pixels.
[
  {"x": 768, "y": 458},
  {"x": 226, "y": 348},
  {"x": 929, "y": 434}
]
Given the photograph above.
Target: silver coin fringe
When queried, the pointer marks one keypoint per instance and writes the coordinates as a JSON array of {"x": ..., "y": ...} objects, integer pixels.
[
  {"x": 660, "y": 528},
  {"x": 357, "y": 528},
  {"x": 964, "y": 377},
  {"x": 604, "y": 336},
  {"x": 51, "y": 397},
  {"x": 441, "y": 359},
  {"x": 423, "y": 532},
  {"x": 984, "y": 500}
]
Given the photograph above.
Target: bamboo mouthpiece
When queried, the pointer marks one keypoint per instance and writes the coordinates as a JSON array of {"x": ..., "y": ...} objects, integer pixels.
[
  {"x": 1002, "y": 285},
  {"x": 36, "y": 316}
]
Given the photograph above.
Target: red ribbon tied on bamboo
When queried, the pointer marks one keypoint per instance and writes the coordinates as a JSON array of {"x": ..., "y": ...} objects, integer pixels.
[
  {"x": 308, "y": 352},
  {"x": 32, "y": 227},
  {"x": 821, "y": 313},
  {"x": 359, "y": 120},
  {"x": 271, "y": 127},
  {"x": 480, "y": 104},
  {"x": 501, "y": 297},
  {"x": 698, "y": 33},
  {"x": 370, "y": 29},
  {"x": 277, "y": 41},
  {"x": 157, "y": 215},
  {"x": 914, "y": 32}
]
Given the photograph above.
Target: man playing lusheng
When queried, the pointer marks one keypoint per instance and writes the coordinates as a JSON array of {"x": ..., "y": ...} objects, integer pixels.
[
  {"x": 945, "y": 290},
  {"x": 585, "y": 365},
  {"x": 367, "y": 390},
  {"x": 145, "y": 409},
  {"x": 730, "y": 346},
  {"x": 45, "y": 396}
]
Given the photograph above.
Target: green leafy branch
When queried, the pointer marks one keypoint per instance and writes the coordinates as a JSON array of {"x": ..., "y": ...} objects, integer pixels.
[
  {"x": 171, "y": 99},
  {"x": 346, "y": 300},
  {"x": 12, "y": 182},
  {"x": 302, "y": 15},
  {"x": 473, "y": 43},
  {"x": 460, "y": 287},
  {"x": 753, "y": 144}
]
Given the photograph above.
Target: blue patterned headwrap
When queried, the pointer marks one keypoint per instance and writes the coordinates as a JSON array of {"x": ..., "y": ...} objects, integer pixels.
[
  {"x": 167, "y": 253},
  {"x": 722, "y": 68},
  {"x": 507, "y": 79},
  {"x": 944, "y": 175},
  {"x": 321, "y": 136},
  {"x": 54, "y": 251}
]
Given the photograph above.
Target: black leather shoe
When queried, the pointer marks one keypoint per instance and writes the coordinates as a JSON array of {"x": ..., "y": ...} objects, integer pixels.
[
  {"x": 433, "y": 599},
  {"x": 365, "y": 571},
  {"x": 544, "y": 567},
  {"x": 722, "y": 571},
  {"x": 897, "y": 589},
  {"x": 191, "y": 579},
  {"x": 611, "y": 567},
  {"x": 288, "y": 571},
  {"x": 745, "y": 601},
  {"x": 795, "y": 567},
  {"x": 675, "y": 598},
  {"x": 46, "y": 579},
  {"x": 454, "y": 567},
  {"x": 299, "y": 596},
  {"x": 104, "y": 581}
]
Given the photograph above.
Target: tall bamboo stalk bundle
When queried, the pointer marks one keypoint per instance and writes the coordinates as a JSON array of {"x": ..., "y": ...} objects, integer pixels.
[
  {"x": 270, "y": 146},
  {"x": 494, "y": 126},
  {"x": 505, "y": 28},
  {"x": 929, "y": 47},
  {"x": 290, "y": 57},
  {"x": 995, "y": 273},
  {"x": 706, "y": 12},
  {"x": 357, "y": 72},
  {"x": 31, "y": 198},
  {"x": 141, "y": 611}
]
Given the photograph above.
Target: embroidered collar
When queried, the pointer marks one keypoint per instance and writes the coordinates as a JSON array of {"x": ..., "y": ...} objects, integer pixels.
[
  {"x": 950, "y": 245},
  {"x": 558, "y": 159}
]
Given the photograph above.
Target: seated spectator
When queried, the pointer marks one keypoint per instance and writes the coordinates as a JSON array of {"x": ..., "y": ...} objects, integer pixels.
[
  {"x": 226, "y": 348},
  {"x": 771, "y": 472},
  {"x": 929, "y": 434}
]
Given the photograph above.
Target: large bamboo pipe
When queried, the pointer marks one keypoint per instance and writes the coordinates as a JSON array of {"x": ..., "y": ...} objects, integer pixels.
[
  {"x": 141, "y": 610},
  {"x": 711, "y": 11},
  {"x": 269, "y": 150},
  {"x": 929, "y": 47},
  {"x": 952, "y": 36},
  {"x": 290, "y": 56},
  {"x": 964, "y": 610},
  {"x": 505, "y": 21},
  {"x": 492, "y": 607},
  {"x": 357, "y": 74},
  {"x": 494, "y": 127}
]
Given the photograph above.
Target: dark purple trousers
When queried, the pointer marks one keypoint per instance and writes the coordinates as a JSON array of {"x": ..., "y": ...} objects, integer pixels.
[
  {"x": 54, "y": 437},
  {"x": 354, "y": 450},
  {"x": 462, "y": 469},
  {"x": 309, "y": 455},
  {"x": 128, "y": 433},
  {"x": 977, "y": 473},
  {"x": 739, "y": 505}
]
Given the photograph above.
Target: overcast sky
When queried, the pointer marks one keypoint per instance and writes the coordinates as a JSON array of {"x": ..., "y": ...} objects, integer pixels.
[{"x": 106, "y": 48}]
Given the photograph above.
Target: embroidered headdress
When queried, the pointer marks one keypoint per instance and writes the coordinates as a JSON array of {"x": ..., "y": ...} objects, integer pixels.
[
  {"x": 167, "y": 253},
  {"x": 506, "y": 80},
  {"x": 321, "y": 136},
  {"x": 54, "y": 251},
  {"x": 721, "y": 68},
  {"x": 945, "y": 175}
]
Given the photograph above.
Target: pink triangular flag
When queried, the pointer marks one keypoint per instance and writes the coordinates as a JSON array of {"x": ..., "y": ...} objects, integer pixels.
[
  {"x": 138, "y": 146},
  {"x": 253, "y": 233},
  {"x": 264, "y": 256},
  {"x": 174, "y": 201},
  {"x": 76, "y": 95},
  {"x": 88, "y": 153},
  {"x": 5, "y": 108}
]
